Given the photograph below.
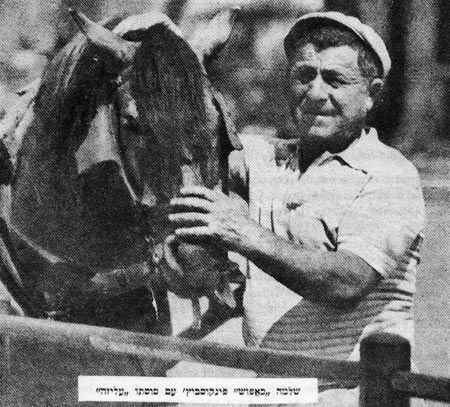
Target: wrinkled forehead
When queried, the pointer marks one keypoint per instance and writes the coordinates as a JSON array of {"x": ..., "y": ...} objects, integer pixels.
[{"x": 342, "y": 57}]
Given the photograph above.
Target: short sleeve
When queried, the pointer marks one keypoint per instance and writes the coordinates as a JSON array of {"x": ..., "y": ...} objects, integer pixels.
[{"x": 384, "y": 220}]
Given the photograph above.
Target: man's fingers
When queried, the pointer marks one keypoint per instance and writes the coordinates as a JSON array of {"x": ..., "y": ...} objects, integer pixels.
[
  {"x": 171, "y": 240},
  {"x": 194, "y": 233},
  {"x": 189, "y": 219},
  {"x": 200, "y": 191},
  {"x": 169, "y": 250},
  {"x": 180, "y": 204}
]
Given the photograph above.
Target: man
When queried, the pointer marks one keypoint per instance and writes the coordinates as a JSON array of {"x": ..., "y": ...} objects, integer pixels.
[{"x": 332, "y": 227}]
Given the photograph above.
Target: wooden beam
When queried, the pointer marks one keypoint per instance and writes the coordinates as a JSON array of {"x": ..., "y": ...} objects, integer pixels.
[
  {"x": 422, "y": 386},
  {"x": 107, "y": 340}
]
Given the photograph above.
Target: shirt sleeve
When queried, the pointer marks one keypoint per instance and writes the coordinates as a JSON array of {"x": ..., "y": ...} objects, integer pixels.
[{"x": 384, "y": 220}]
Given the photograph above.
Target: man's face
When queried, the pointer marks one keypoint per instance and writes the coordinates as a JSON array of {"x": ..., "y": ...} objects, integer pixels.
[{"x": 329, "y": 97}]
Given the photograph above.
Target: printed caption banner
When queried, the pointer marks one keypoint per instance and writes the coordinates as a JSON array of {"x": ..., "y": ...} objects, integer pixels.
[{"x": 197, "y": 389}]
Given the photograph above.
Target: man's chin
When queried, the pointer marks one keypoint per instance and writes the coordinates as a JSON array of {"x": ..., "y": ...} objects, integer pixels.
[
  {"x": 316, "y": 127},
  {"x": 320, "y": 133},
  {"x": 327, "y": 139},
  {"x": 321, "y": 137}
]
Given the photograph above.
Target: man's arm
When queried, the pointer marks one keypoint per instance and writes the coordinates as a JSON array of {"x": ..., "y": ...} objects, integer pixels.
[{"x": 338, "y": 277}]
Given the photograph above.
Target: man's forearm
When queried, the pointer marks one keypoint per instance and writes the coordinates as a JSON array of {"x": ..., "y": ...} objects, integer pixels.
[{"x": 338, "y": 277}]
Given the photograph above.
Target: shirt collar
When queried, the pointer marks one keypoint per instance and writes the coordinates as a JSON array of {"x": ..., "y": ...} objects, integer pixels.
[{"x": 357, "y": 154}]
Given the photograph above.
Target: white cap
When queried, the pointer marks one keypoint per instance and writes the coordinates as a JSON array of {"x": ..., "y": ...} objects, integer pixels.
[{"x": 364, "y": 32}]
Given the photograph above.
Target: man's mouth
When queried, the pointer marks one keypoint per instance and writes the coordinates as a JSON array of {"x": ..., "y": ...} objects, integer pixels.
[{"x": 318, "y": 113}]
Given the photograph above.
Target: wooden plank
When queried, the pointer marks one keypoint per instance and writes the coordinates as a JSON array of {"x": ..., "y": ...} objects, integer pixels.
[
  {"x": 265, "y": 361},
  {"x": 422, "y": 386},
  {"x": 382, "y": 355}
]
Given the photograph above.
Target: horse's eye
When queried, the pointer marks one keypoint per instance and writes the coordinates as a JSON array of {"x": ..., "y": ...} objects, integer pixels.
[{"x": 130, "y": 123}]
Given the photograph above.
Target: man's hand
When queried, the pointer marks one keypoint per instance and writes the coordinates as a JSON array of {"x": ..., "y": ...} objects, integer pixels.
[
  {"x": 201, "y": 214},
  {"x": 333, "y": 277}
]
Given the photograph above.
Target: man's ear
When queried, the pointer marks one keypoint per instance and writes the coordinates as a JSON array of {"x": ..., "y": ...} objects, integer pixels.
[
  {"x": 209, "y": 39},
  {"x": 374, "y": 91}
]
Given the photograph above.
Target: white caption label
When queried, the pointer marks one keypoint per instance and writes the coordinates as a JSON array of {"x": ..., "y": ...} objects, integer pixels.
[{"x": 197, "y": 389}]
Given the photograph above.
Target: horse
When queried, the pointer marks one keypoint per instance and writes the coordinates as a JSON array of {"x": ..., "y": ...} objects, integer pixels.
[{"x": 123, "y": 116}]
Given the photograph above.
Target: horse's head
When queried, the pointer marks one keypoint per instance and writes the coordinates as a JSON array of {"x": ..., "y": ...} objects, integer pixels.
[
  {"x": 174, "y": 127},
  {"x": 125, "y": 115}
]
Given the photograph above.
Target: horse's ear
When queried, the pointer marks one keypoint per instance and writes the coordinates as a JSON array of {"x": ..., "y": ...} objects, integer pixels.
[
  {"x": 111, "y": 43},
  {"x": 209, "y": 40},
  {"x": 229, "y": 138},
  {"x": 112, "y": 21}
]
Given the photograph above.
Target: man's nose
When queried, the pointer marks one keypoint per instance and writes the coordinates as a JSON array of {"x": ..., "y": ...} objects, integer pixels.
[{"x": 317, "y": 91}]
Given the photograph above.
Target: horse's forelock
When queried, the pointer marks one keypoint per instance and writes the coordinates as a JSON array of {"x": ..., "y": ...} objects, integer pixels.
[{"x": 168, "y": 85}]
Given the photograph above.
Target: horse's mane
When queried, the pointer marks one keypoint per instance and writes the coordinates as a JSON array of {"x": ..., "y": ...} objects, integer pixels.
[
  {"x": 67, "y": 96},
  {"x": 70, "y": 88}
]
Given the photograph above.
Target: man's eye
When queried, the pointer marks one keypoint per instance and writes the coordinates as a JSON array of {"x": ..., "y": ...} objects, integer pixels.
[
  {"x": 304, "y": 75},
  {"x": 334, "y": 81}
]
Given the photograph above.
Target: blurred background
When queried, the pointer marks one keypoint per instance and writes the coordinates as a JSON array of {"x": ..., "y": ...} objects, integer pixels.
[{"x": 414, "y": 115}]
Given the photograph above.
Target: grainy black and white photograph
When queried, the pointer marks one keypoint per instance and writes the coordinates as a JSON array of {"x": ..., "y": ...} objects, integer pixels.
[{"x": 224, "y": 189}]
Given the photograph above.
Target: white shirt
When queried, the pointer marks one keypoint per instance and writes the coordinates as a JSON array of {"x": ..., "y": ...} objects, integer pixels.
[{"x": 366, "y": 200}]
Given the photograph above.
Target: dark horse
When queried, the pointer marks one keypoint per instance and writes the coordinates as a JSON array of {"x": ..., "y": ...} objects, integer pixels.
[{"x": 123, "y": 117}]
